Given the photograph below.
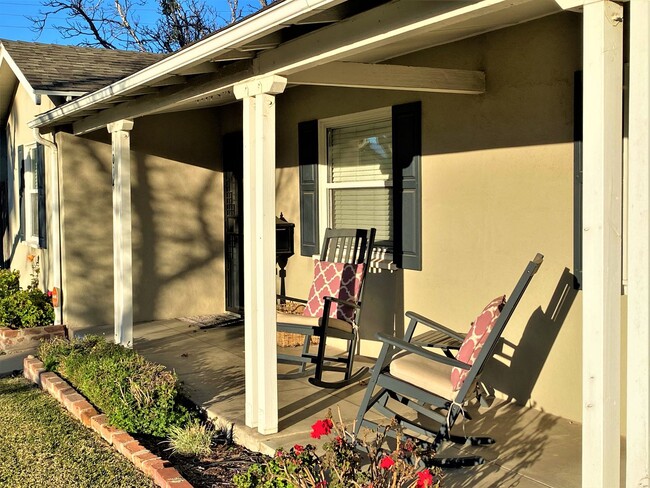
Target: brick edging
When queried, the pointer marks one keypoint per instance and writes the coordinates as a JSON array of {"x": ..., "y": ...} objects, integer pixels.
[{"x": 162, "y": 472}]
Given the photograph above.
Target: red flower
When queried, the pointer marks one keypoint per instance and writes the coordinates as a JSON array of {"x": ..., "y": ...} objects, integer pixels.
[
  {"x": 321, "y": 428},
  {"x": 298, "y": 449},
  {"x": 339, "y": 440},
  {"x": 49, "y": 293},
  {"x": 386, "y": 462},
  {"x": 321, "y": 484},
  {"x": 425, "y": 479}
]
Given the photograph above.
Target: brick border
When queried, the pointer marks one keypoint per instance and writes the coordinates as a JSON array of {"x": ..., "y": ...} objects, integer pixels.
[
  {"x": 15, "y": 340},
  {"x": 162, "y": 472}
]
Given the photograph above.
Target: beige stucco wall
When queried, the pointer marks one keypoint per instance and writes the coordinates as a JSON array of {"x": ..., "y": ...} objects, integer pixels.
[
  {"x": 16, "y": 250},
  {"x": 176, "y": 217},
  {"x": 497, "y": 175}
]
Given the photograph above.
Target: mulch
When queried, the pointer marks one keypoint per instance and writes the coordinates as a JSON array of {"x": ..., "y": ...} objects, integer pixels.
[{"x": 213, "y": 471}]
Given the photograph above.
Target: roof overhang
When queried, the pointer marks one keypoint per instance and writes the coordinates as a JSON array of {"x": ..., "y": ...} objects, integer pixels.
[{"x": 203, "y": 74}]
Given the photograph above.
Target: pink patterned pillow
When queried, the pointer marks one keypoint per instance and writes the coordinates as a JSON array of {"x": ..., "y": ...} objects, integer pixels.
[
  {"x": 339, "y": 280},
  {"x": 475, "y": 338}
]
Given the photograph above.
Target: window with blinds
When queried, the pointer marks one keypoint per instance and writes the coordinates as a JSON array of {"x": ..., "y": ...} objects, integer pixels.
[
  {"x": 33, "y": 194},
  {"x": 359, "y": 180}
]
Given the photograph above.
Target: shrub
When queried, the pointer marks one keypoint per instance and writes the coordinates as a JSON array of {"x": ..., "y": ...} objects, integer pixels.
[
  {"x": 136, "y": 395},
  {"x": 23, "y": 308},
  {"x": 342, "y": 464},
  {"x": 9, "y": 282},
  {"x": 195, "y": 439}
]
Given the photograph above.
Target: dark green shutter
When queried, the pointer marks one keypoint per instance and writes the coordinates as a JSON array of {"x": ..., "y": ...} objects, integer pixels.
[
  {"x": 21, "y": 189},
  {"x": 308, "y": 167},
  {"x": 407, "y": 186},
  {"x": 42, "y": 219}
]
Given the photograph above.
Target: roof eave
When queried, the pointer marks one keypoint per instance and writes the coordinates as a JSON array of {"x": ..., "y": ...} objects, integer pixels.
[{"x": 251, "y": 28}]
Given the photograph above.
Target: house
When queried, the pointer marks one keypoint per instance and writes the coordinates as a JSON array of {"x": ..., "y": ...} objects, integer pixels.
[{"x": 490, "y": 130}]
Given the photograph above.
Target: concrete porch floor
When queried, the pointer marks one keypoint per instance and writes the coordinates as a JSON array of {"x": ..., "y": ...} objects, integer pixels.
[{"x": 533, "y": 449}]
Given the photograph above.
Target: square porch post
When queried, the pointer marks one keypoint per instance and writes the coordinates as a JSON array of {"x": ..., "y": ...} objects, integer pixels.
[
  {"x": 638, "y": 245},
  {"x": 122, "y": 272},
  {"x": 258, "y": 97},
  {"x": 602, "y": 182}
]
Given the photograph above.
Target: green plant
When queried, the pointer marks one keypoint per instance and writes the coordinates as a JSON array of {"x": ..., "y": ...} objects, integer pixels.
[
  {"x": 136, "y": 395},
  {"x": 23, "y": 308},
  {"x": 348, "y": 461},
  {"x": 194, "y": 439},
  {"x": 9, "y": 282}
]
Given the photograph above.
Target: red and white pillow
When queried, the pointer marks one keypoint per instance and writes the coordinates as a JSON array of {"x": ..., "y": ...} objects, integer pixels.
[
  {"x": 475, "y": 338},
  {"x": 339, "y": 280}
]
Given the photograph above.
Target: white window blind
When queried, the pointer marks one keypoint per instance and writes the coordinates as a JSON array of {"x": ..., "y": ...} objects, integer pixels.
[{"x": 360, "y": 177}]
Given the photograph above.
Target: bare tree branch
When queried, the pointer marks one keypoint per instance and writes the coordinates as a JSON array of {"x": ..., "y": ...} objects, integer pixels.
[{"x": 114, "y": 24}]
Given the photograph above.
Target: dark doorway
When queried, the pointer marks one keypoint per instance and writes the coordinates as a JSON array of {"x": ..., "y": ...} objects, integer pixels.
[{"x": 233, "y": 177}]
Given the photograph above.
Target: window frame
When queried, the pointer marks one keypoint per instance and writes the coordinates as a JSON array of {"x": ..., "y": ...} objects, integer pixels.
[
  {"x": 31, "y": 235},
  {"x": 324, "y": 185}
]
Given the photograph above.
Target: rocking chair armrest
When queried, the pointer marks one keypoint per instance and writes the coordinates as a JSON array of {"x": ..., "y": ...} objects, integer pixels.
[
  {"x": 420, "y": 351},
  {"x": 342, "y": 302},
  {"x": 435, "y": 325},
  {"x": 293, "y": 299}
]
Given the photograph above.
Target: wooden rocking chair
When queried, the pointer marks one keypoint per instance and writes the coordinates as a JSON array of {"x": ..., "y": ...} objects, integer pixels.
[
  {"x": 436, "y": 386},
  {"x": 334, "y": 305}
]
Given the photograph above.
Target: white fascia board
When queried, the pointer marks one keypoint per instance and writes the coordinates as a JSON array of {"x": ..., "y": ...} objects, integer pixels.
[
  {"x": 249, "y": 29},
  {"x": 6, "y": 57}
]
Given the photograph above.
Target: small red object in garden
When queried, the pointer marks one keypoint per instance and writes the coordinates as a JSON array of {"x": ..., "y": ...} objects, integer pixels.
[
  {"x": 386, "y": 463},
  {"x": 425, "y": 479},
  {"x": 321, "y": 428}
]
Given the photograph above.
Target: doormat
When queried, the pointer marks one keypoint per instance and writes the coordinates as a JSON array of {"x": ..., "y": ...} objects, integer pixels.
[{"x": 218, "y": 320}]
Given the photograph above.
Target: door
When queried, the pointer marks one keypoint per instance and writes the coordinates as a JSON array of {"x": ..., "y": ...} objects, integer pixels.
[{"x": 233, "y": 176}]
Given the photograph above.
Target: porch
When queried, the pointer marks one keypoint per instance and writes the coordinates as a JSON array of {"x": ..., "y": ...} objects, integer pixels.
[{"x": 533, "y": 449}]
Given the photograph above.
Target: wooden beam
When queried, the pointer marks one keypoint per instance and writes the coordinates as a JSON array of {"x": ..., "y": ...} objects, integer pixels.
[
  {"x": 233, "y": 55},
  {"x": 378, "y": 27},
  {"x": 638, "y": 247},
  {"x": 602, "y": 181},
  {"x": 267, "y": 42},
  {"x": 392, "y": 77},
  {"x": 201, "y": 86},
  {"x": 197, "y": 69},
  {"x": 122, "y": 253}
]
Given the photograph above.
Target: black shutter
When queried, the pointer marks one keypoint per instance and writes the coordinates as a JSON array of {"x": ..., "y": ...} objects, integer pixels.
[
  {"x": 42, "y": 219},
  {"x": 577, "y": 180},
  {"x": 308, "y": 167},
  {"x": 407, "y": 186},
  {"x": 21, "y": 190}
]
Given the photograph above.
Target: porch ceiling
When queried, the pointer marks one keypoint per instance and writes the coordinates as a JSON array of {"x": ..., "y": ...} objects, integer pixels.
[{"x": 284, "y": 39}]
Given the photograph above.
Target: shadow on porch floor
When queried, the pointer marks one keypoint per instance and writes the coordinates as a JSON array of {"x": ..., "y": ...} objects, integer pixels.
[{"x": 533, "y": 449}]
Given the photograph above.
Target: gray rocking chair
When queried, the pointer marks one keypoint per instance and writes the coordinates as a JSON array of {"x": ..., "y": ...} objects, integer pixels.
[
  {"x": 421, "y": 379},
  {"x": 340, "y": 246}
]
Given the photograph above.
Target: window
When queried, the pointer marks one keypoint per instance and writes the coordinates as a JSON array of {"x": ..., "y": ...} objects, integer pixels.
[
  {"x": 363, "y": 170},
  {"x": 356, "y": 173},
  {"x": 33, "y": 195}
]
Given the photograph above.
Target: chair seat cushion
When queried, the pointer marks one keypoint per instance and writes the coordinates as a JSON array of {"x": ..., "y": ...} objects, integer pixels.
[
  {"x": 291, "y": 319},
  {"x": 431, "y": 376}
]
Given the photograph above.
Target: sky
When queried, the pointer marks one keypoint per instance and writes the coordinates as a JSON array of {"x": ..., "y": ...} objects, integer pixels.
[{"x": 14, "y": 24}]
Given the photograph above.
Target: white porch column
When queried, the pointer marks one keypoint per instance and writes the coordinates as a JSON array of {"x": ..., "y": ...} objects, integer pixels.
[
  {"x": 259, "y": 250},
  {"x": 122, "y": 273},
  {"x": 601, "y": 322},
  {"x": 638, "y": 245}
]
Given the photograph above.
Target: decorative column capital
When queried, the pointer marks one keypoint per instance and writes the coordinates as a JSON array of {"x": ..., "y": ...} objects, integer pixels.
[
  {"x": 270, "y": 85},
  {"x": 120, "y": 125}
]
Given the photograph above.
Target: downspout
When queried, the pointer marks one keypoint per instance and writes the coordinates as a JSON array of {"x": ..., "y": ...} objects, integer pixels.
[{"x": 55, "y": 221}]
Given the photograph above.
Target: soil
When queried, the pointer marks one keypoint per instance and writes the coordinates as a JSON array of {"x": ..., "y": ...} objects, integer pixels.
[{"x": 213, "y": 471}]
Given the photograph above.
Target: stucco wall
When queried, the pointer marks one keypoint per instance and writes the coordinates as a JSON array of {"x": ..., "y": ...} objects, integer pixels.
[
  {"x": 497, "y": 174},
  {"x": 15, "y": 250},
  {"x": 176, "y": 217}
]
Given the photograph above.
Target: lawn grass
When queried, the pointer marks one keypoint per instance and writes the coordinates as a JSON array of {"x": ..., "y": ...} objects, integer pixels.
[{"x": 42, "y": 445}]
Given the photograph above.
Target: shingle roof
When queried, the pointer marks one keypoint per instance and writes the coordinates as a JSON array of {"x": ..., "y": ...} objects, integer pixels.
[{"x": 53, "y": 67}]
